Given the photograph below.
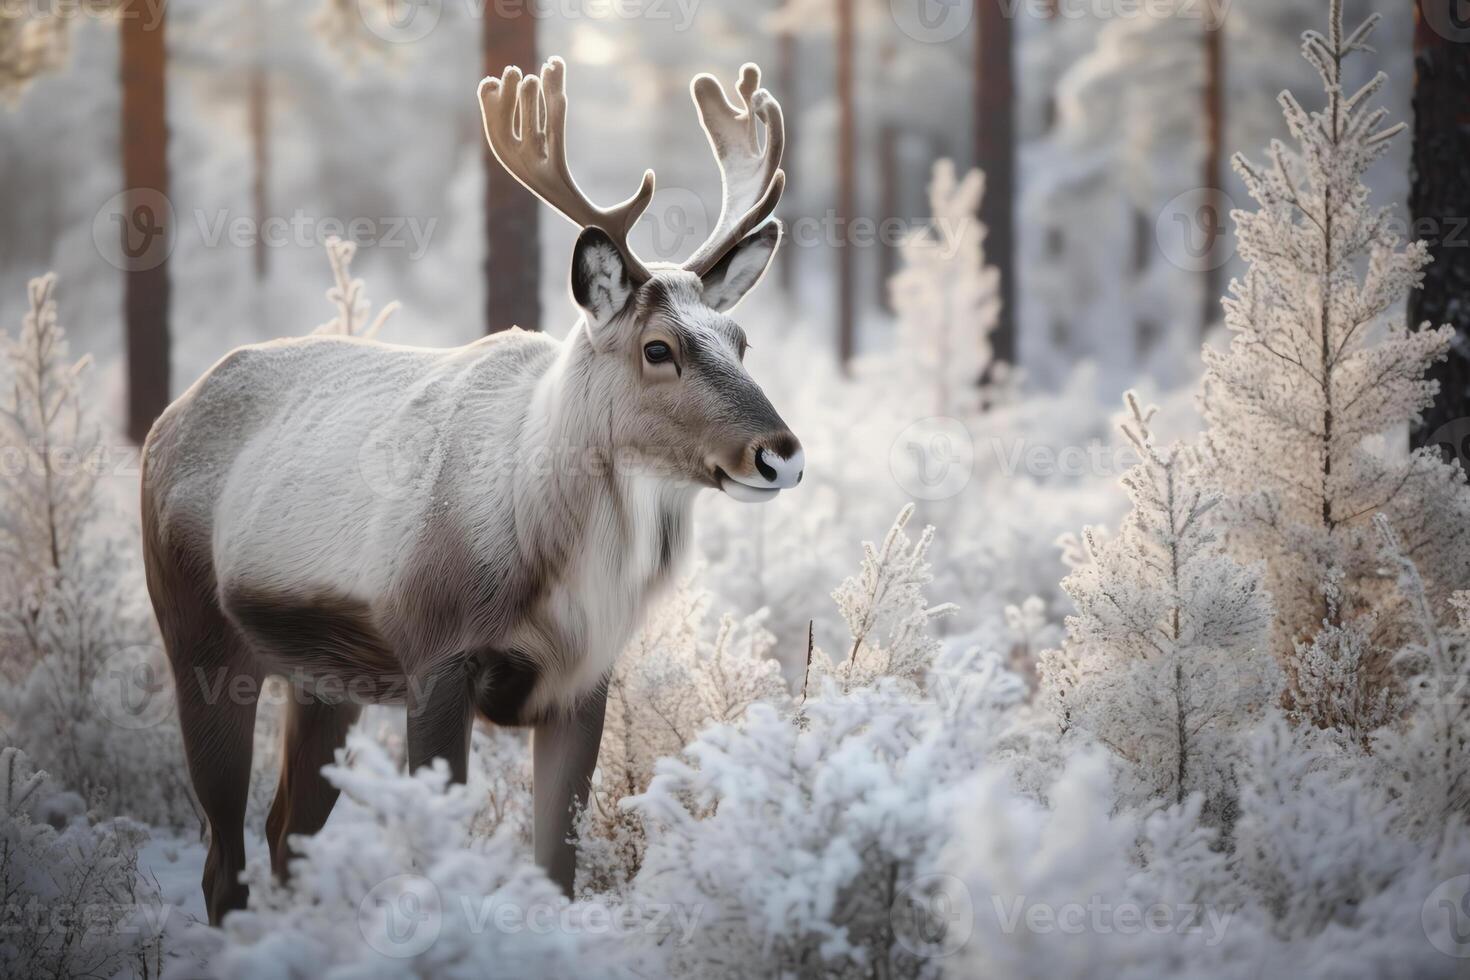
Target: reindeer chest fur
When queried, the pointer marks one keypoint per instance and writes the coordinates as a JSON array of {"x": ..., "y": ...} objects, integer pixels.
[{"x": 624, "y": 556}]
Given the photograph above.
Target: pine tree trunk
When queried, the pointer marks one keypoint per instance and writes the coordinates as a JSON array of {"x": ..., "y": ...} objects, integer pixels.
[
  {"x": 846, "y": 184},
  {"x": 786, "y": 55},
  {"x": 888, "y": 208},
  {"x": 259, "y": 98},
  {"x": 1214, "y": 115},
  {"x": 144, "y": 133},
  {"x": 512, "y": 236},
  {"x": 995, "y": 154},
  {"x": 1439, "y": 201}
]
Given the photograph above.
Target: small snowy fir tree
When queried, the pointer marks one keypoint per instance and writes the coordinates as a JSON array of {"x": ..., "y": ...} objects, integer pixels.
[
  {"x": 946, "y": 297},
  {"x": 886, "y": 613},
  {"x": 838, "y": 817},
  {"x": 401, "y": 888},
  {"x": 74, "y": 903},
  {"x": 74, "y": 637},
  {"x": 50, "y": 478},
  {"x": 1307, "y": 409},
  {"x": 670, "y": 683},
  {"x": 349, "y": 296},
  {"x": 1425, "y": 755},
  {"x": 1168, "y": 652}
]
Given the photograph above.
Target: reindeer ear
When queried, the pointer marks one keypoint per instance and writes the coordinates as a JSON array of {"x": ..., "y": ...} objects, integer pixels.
[
  {"x": 741, "y": 267},
  {"x": 600, "y": 282}
]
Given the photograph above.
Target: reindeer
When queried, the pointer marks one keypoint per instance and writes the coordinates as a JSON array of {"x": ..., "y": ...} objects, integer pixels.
[{"x": 549, "y": 503}]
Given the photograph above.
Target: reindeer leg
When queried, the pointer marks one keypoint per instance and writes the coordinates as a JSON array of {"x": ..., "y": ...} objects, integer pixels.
[
  {"x": 440, "y": 712},
  {"x": 218, "y": 727},
  {"x": 564, "y": 749},
  {"x": 313, "y": 732}
]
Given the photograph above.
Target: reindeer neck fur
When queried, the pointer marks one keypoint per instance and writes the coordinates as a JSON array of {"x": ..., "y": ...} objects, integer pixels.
[{"x": 608, "y": 533}]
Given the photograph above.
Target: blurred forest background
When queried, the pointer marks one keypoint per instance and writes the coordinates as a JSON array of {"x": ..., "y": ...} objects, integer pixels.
[{"x": 1104, "y": 130}]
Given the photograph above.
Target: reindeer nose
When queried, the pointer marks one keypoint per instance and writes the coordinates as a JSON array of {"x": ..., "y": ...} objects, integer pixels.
[{"x": 781, "y": 471}]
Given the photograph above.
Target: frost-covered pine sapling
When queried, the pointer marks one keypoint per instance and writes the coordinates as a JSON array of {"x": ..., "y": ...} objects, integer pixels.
[
  {"x": 74, "y": 903},
  {"x": 1167, "y": 653},
  {"x": 68, "y": 616},
  {"x": 349, "y": 296},
  {"x": 670, "y": 683},
  {"x": 946, "y": 297},
  {"x": 1425, "y": 755},
  {"x": 50, "y": 480},
  {"x": 886, "y": 612},
  {"x": 1306, "y": 410}
]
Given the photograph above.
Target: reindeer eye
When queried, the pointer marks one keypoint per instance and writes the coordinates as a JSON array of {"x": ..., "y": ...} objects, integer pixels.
[{"x": 657, "y": 352}]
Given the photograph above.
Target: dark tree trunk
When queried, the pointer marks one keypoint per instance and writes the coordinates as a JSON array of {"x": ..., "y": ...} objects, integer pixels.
[
  {"x": 259, "y": 97},
  {"x": 1214, "y": 112},
  {"x": 1439, "y": 201},
  {"x": 786, "y": 80},
  {"x": 144, "y": 129},
  {"x": 512, "y": 237},
  {"x": 995, "y": 154},
  {"x": 846, "y": 184},
  {"x": 888, "y": 207}
]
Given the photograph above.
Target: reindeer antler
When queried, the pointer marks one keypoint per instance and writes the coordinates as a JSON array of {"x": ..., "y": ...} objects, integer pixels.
[
  {"x": 751, "y": 177},
  {"x": 526, "y": 126}
]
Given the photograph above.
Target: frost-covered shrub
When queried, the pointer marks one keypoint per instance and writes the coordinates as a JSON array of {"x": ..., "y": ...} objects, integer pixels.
[
  {"x": 796, "y": 833},
  {"x": 887, "y": 615},
  {"x": 1167, "y": 658},
  {"x": 798, "y": 836},
  {"x": 73, "y": 902},
  {"x": 400, "y": 887},
  {"x": 90, "y": 695},
  {"x": 946, "y": 298},
  {"x": 1424, "y": 756},
  {"x": 673, "y": 680},
  {"x": 1306, "y": 410}
]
